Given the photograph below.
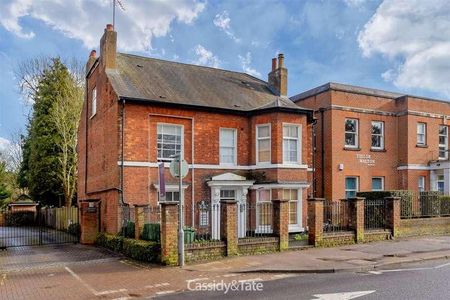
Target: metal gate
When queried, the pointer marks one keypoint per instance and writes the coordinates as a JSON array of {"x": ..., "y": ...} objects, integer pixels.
[{"x": 40, "y": 226}]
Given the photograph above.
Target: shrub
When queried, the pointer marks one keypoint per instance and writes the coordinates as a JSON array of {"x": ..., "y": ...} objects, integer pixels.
[
  {"x": 445, "y": 205},
  {"x": 128, "y": 230},
  {"x": 430, "y": 205},
  {"x": 74, "y": 229},
  {"x": 20, "y": 218},
  {"x": 135, "y": 249},
  {"x": 151, "y": 232}
]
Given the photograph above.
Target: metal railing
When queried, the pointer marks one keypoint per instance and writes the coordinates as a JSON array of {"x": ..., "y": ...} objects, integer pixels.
[
  {"x": 258, "y": 219},
  {"x": 426, "y": 204},
  {"x": 205, "y": 225},
  {"x": 335, "y": 216},
  {"x": 375, "y": 214}
]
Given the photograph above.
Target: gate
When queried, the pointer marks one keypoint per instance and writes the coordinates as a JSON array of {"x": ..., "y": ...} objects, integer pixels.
[{"x": 42, "y": 226}]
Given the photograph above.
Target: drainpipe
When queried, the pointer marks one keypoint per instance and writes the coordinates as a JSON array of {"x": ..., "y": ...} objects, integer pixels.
[
  {"x": 322, "y": 139},
  {"x": 314, "y": 145},
  {"x": 122, "y": 173},
  {"x": 86, "y": 137}
]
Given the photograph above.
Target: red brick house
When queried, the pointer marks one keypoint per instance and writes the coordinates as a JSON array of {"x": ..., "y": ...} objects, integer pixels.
[
  {"x": 369, "y": 139},
  {"x": 242, "y": 137}
]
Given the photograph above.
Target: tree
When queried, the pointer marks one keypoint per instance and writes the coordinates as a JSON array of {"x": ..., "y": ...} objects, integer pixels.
[{"x": 65, "y": 115}]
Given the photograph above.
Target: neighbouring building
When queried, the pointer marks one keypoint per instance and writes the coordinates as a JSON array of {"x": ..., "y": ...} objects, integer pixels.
[
  {"x": 242, "y": 137},
  {"x": 368, "y": 140}
]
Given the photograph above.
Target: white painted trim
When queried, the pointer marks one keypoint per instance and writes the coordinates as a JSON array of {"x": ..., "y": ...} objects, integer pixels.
[
  {"x": 217, "y": 167},
  {"x": 230, "y": 183},
  {"x": 280, "y": 185},
  {"x": 270, "y": 143},
  {"x": 171, "y": 187},
  {"x": 415, "y": 167},
  {"x": 356, "y": 146}
]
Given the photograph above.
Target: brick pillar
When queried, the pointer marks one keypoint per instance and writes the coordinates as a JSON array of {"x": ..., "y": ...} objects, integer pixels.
[
  {"x": 393, "y": 214},
  {"x": 139, "y": 220},
  {"x": 89, "y": 216},
  {"x": 169, "y": 233},
  {"x": 356, "y": 215},
  {"x": 281, "y": 222},
  {"x": 228, "y": 226},
  {"x": 315, "y": 221}
]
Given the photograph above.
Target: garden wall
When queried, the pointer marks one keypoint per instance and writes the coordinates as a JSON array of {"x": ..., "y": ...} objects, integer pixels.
[{"x": 424, "y": 226}]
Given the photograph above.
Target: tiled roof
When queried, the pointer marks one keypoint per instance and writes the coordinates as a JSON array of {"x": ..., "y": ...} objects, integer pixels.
[{"x": 155, "y": 80}]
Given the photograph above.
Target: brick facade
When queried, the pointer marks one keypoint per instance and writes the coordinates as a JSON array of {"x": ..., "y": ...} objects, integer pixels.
[{"x": 400, "y": 162}]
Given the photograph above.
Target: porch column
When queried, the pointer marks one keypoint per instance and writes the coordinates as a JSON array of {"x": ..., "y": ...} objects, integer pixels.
[
  {"x": 215, "y": 213},
  {"x": 447, "y": 181}
]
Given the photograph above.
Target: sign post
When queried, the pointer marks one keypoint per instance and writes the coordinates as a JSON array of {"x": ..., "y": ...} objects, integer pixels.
[{"x": 179, "y": 169}]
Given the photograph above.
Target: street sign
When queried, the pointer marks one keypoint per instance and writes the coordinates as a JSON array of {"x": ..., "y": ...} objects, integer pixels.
[{"x": 175, "y": 165}]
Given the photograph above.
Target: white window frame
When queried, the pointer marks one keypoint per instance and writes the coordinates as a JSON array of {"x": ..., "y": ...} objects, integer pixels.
[
  {"x": 381, "y": 135},
  {"x": 264, "y": 138},
  {"x": 173, "y": 194},
  {"x": 182, "y": 140},
  {"x": 382, "y": 183},
  {"x": 299, "y": 144},
  {"x": 421, "y": 183},
  {"x": 356, "y": 133},
  {"x": 298, "y": 226},
  {"x": 262, "y": 228},
  {"x": 228, "y": 198},
  {"x": 345, "y": 185},
  {"x": 93, "y": 102},
  {"x": 443, "y": 147},
  {"x": 419, "y": 134},
  {"x": 234, "y": 163},
  {"x": 441, "y": 179}
]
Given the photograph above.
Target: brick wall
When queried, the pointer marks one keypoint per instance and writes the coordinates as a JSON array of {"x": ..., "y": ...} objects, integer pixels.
[
  {"x": 253, "y": 246},
  {"x": 424, "y": 226},
  {"x": 199, "y": 252}
]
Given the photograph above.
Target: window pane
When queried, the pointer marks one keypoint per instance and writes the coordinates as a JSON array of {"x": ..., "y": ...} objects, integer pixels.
[
  {"x": 377, "y": 184},
  {"x": 227, "y": 137},
  {"x": 350, "y": 139},
  {"x": 263, "y": 131},
  {"x": 350, "y": 125},
  {"x": 377, "y": 128},
  {"x": 350, "y": 183},
  {"x": 376, "y": 141},
  {"x": 293, "y": 216},
  {"x": 443, "y": 130},
  {"x": 264, "y": 195},
  {"x": 168, "y": 140}
]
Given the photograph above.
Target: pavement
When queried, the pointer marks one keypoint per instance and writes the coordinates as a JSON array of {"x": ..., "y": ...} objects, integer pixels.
[
  {"x": 359, "y": 257},
  {"x": 73, "y": 271}
]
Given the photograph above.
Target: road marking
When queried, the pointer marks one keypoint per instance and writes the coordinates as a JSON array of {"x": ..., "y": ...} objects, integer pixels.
[
  {"x": 91, "y": 289},
  {"x": 2, "y": 282},
  {"x": 342, "y": 296},
  {"x": 164, "y": 292},
  {"x": 196, "y": 279},
  {"x": 230, "y": 275},
  {"x": 379, "y": 272},
  {"x": 251, "y": 280}
]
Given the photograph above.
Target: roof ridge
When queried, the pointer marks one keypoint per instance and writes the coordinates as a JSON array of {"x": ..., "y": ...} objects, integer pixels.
[{"x": 192, "y": 65}]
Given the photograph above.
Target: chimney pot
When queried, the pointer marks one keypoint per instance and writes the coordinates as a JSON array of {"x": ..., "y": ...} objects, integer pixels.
[
  {"x": 281, "y": 60},
  {"x": 109, "y": 27},
  {"x": 93, "y": 53},
  {"x": 274, "y": 64}
]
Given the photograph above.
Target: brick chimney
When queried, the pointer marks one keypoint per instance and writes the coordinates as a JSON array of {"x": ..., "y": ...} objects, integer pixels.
[
  {"x": 108, "y": 47},
  {"x": 278, "y": 75},
  {"x": 91, "y": 60}
]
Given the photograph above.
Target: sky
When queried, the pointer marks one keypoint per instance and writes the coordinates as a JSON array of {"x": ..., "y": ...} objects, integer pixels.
[{"x": 401, "y": 45}]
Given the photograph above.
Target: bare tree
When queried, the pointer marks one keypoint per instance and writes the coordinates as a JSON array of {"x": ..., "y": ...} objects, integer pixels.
[
  {"x": 65, "y": 114},
  {"x": 28, "y": 73}
]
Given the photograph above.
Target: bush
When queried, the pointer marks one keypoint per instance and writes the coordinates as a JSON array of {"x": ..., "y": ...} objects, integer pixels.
[
  {"x": 74, "y": 229},
  {"x": 151, "y": 232},
  {"x": 128, "y": 230},
  {"x": 445, "y": 205},
  {"x": 430, "y": 205},
  {"x": 135, "y": 249},
  {"x": 20, "y": 218}
]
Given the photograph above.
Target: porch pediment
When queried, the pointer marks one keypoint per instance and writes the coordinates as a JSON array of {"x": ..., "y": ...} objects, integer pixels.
[{"x": 228, "y": 176}]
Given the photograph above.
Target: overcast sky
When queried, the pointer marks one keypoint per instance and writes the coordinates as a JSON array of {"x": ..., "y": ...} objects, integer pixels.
[{"x": 401, "y": 45}]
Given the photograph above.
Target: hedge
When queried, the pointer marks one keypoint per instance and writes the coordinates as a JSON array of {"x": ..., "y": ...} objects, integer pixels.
[
  {"x": 135, "y": 249},
  {"x": 20, "y": 218},
  {"x": 151, "y": 232},
  {"x": 406, "y": 198}
]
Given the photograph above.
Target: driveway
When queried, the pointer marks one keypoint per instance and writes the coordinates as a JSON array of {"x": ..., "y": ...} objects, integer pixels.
[
  {"x": 32, "y": 235},
  {"x": 85, "y": 272}
]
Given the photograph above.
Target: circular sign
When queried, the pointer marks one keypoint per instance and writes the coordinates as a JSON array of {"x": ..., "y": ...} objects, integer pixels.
[{"x": 175, "y": 165}]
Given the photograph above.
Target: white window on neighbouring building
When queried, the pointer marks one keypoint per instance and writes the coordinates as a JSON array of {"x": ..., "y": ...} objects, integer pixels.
[
  {"x": 94, "y": 102},
  {"x": 351, "y": 186},
  {"x": 421, "y": 134},
  {"x": 228, "y": 147},
  {"x": 263, "y": 143},
  {"x": 292, "y": 196},
  {"x": 421, "y": 183},
  {"x": 377, "y": 183},
  {"x": 443, "y": 142},
  {"x": 291, "y": 144},
  {"x": 169, "y": 142},
  {"x": 377, "y": 135},
  {"x": 351, "y": 133}
]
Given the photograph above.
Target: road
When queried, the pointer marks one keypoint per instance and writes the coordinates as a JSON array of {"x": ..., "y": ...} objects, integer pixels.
[{"x": 426, "y": 280}]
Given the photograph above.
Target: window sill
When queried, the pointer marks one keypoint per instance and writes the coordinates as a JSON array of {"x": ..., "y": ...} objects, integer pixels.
[
  {"x": 421, "y": 146},
  {"x": 352, "y": 148},
  {"x": 377, "y": 150},
  {"x": 92, "y": 116}
]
